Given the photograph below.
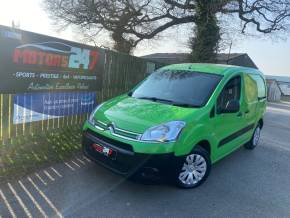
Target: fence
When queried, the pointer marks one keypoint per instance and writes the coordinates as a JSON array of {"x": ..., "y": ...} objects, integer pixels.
[{"x": 121, "y": 73}]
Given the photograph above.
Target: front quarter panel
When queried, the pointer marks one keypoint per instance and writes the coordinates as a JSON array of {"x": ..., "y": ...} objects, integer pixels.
[{"x": 196, "y": 130}]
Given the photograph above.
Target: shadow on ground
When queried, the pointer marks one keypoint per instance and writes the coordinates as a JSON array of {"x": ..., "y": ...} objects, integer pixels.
[{"x": 27, "y": 153}]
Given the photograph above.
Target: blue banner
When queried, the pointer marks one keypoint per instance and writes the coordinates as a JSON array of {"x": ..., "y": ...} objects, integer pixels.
[{"x": 42, "y": 106}]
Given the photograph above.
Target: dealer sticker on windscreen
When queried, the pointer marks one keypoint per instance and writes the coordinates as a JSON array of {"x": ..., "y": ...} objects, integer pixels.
[{"x": 106, "y": 151}]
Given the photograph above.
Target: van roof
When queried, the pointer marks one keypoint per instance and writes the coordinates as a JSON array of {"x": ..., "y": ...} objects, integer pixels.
[{"x": 220, "y": 69}]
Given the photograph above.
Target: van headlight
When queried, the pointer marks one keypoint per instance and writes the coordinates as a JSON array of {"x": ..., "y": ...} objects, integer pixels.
[
  {"x": 167, "y": 132},
  {"x": 92, "y": 115}
]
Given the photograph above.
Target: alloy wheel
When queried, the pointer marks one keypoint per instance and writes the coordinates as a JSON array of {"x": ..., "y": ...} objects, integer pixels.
[
  {"x": 193, "y": 170},
  {"x": 256, "y": 137}
]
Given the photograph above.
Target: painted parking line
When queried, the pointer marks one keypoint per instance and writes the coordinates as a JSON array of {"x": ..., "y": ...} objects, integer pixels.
[
  {"x": 280, "y": 110},
  {"x": 76, "y": 164},
  {"x": 33, "y": 200},
  {"x": 7, "y": 204},
  {"x": 56, "y": 172},
  {"x": 28, "y": 214},
  {"x": 48, "y": 175},
  {"x": 69, "y": 166},
  {"x": 87, "y": 159},
  {"x": 40, "y": 178},
  {"x": 82, "y": 162},
  {"x": 45, "y": 198}
]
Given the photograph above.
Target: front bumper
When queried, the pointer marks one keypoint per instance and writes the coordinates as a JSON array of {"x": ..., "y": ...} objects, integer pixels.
[
  {"x": 127, "y": 161},
  {"x": 137, "y": 146}
]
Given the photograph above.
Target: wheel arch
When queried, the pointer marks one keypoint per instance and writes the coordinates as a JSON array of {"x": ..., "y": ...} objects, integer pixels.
[{"x": 205, "y": 144}]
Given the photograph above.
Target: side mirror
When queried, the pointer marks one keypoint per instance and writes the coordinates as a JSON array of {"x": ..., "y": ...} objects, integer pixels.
[{"x": 233, "y": 106}]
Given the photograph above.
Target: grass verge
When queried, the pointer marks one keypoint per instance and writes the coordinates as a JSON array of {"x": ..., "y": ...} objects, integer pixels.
[{"x": 26, "y": 154}]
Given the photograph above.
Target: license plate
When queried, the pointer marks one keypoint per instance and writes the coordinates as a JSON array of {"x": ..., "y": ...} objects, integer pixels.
[{"x": 106, "y": 151}]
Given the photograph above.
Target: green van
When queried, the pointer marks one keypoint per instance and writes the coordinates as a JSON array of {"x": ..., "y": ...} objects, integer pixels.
[{"x": 181, "y": 119}]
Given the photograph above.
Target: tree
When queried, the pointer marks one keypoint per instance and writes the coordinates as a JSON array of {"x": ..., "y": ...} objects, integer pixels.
[
  {"x": 204, "y": 44},
  {"x": 127, "y": 21},
  {"x": 265, "y": 16},
  {"x": 98, "y": 16},
  {"x": 131, "y": 21}
]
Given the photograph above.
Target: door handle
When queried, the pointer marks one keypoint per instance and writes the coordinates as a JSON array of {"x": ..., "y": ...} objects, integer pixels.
[{"x": 247, "y": 111}]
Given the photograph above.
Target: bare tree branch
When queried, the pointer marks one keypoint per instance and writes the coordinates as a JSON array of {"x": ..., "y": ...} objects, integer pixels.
[{"x": 131, "y": 21}]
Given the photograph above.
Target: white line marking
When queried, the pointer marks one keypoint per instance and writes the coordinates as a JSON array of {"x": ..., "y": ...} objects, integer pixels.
[
  {"x": 45, "y": 198},
  {"x": 278, "y": 110},
  {"x": 7, "y": 204},
  {"x": 38, "y": 176},
  {"x": 33, "y": 199},
  {"x": 48, "y": 175},
  {"x": 28, "y": 214},
  {"x": 87, "y": 159},
  {"x": 69, "y": 166},
  {"x": 76, "y": 164},
  {"x": 79, "y": 160},
  {"x": 55, "y": 171}
]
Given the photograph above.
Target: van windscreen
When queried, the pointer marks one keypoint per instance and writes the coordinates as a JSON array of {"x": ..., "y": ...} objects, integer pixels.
[{"x": 181, "y": 88}]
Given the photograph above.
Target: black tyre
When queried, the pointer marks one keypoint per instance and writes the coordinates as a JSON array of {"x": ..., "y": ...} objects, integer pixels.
[
  {"x": 193, "y": 169},
  {"x": 255, "y": 139}
]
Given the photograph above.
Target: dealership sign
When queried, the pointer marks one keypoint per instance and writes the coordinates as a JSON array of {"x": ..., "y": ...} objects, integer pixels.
[
  {"x": 31, "y": 62},
  {"x": 43, "y": 106}
]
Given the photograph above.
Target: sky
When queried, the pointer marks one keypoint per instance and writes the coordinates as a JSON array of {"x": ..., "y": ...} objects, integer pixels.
[{"x": 272, "y": 56}]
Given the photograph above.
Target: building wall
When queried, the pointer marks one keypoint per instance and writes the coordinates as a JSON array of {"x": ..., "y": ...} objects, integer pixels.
[
  {"x": 274, "y": 93},
  {"x": 222, "y": 58},
  {"x": 285, "y": 98},
  {"x": 285, "y": 87},
  {"x": 243, "y": 60}
]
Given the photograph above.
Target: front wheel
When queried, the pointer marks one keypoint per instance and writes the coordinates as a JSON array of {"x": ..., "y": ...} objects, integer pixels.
[
  {"x": 193, "y": 169},
  {"x": 255, "y": 139}
]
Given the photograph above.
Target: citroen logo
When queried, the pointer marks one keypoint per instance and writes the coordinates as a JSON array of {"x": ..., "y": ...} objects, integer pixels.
[{"x": 111, "y": 127}]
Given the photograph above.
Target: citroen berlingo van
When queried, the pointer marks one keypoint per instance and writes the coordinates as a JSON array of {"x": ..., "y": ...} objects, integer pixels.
[{"x": 182, "y": 119}]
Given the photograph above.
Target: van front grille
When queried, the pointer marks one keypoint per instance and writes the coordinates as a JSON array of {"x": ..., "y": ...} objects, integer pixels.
[{"x": 110, "y": 141}]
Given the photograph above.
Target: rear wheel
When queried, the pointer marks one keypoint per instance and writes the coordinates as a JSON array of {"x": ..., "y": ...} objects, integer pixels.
[
  {"x": 255, "y": 139},
  {"x": 193, "y": 169}
]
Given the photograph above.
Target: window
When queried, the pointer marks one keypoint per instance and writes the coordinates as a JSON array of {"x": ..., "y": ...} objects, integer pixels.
[
  {"x": 231, "y": 91},
  {"x": 260, "y": 84},
  {"x": 251, "y": 90},
  {"x": 178, "y": 87}
]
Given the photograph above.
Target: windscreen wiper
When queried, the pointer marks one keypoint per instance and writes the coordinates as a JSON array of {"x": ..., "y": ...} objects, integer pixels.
[
  {"x": 155, "y": 99},
  {"x": 180, "y": 104}
]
